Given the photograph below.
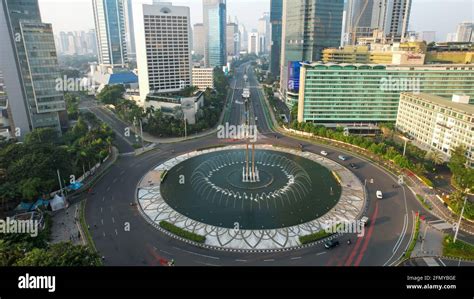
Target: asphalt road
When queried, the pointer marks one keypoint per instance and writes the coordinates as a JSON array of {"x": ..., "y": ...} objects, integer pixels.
[{"x": 109, "y": 211}]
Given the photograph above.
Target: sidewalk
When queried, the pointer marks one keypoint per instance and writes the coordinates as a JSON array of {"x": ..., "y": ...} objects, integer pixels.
[
  {"x": 429, "y": 242},
  {"x": 65, "y": 226}
]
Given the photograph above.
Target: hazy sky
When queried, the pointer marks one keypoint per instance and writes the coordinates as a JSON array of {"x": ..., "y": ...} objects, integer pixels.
[{"x": 441, "y": 16}]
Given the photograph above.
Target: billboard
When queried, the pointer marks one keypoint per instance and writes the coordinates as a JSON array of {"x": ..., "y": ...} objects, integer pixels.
[{"x": 294, "y": 68}]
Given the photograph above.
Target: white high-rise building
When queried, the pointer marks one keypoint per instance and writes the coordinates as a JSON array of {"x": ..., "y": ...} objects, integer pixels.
[
  {"x": 465, "y": 32},
  {"x": 363, "y": 17},
  {"x": 163, "y": 49},
  {"x": 254, "y": 43},
  {"x": 264, "y": 31}
]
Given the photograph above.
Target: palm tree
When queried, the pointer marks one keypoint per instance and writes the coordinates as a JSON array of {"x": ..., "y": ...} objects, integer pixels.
[{"x": 435, "y": 157}]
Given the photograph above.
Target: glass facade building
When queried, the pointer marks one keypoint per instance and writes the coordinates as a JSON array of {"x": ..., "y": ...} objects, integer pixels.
[
  {"x": 109, "y": 20},
  {"x": 344, "y": 93},
  {"x": 276, "y": 11},
  {"x": 31, "y": 69},
  {"x": 214, "y": 12},
  {"x": 309, "y": 26}
]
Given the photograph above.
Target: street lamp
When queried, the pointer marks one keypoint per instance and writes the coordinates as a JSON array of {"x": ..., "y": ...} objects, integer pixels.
[
  {"x": 405, "y": 145},
  {"x": 460, "y": 216}
]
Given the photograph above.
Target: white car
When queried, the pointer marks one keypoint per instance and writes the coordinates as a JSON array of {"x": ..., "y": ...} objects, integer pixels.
[
  {"x": 324, "y": 153},
  {"x": 379, "y": 194}
]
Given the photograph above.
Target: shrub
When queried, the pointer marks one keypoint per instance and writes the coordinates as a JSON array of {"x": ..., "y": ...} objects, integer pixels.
[{"x": 182, "y": 233}]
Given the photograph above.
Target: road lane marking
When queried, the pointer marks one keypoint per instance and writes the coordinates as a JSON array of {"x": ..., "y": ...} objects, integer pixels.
[
  {"x": 441, "y": 261},
  {"x": 103, "y": 233},
  {"x": 269, "y": 260},
  {"x": 321, "y": 253},
  {"x": 113, "y": 220},
  {"x": 296, "y": 258},
  {"x": 101, "y": 210},
  {"x": 116, "y": 232},
  {"x": 115, "y": 180},
  {"x": 206, "y": 264},
  {"x": 102, "y": 221},
  {"x": 108, "y": 188},
  {"x": 243, "y": 261},
  {"x": 198, "y": 254}
]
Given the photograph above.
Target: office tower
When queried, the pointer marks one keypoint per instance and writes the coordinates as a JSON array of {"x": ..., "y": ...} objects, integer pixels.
[
  {"x": 359, "y": 19},
  {"x": 451, "y": 37},
  {"x": 163, "y": 49},
  {"x": 465, "y": 32},
  {"x": 348, "y": 93},
  {"x": 130, "y": 29},
  {"x": 214, "y": 13},
  {"x": 254, "y": 43},
  {"x": 276, "y": 7},
  {"x": 437, "y": 124},
  {"x": 244, "y": 37},
  {"x": 199, "y": 39},
  {"x": 110, "y": 29},
  {"x": 30, "y": 67},
  {"x": 5, "y": 125},
  {"x": 233, "y": 39},
  {"x": 264, "y": 31},
  {"x": 309, "y": 26},
  {"x": 91, "y": 40},
  {"x": 390, "y": 18}
]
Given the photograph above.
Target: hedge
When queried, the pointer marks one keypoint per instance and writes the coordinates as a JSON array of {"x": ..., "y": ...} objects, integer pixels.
[
  {"x": 415, "y": 238},
  {"x": 459, "y": 249},
  {"x": 316, "y": 236},
  {"x": 182, "y": 233}
]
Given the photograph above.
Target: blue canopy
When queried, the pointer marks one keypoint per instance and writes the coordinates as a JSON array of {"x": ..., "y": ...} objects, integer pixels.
[{"x": 75, "y": 186}]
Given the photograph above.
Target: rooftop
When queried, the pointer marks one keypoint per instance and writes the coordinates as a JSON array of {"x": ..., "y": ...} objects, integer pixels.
[{"x": 443, "y": 102}]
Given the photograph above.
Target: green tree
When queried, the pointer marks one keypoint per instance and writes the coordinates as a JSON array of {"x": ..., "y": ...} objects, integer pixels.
[
  {"x": 435, "y": 157},
  {"x": 111, "y": 94},
  {"x": 61, "y": 255}
]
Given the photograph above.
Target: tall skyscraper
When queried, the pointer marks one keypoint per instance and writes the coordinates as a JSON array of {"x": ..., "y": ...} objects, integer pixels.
[
  {"x": 163, "y": 49},
  {"x": 214, "y": 12},
  {"x": 109, "y": 20},
  {"x": 309, "y": 26},
  {"x": 465, "y": 32},
  {"x": 130, "y": 29},
  {"x": 199, "y": 39},
  {"x": 276, "y": 7},
  {"x": 244, "y": 37},
  {"x": 30, "y": 67},
  {"x": 233, "y": 39},
  {"x": 389, "y": 17},
  {"x": 254, "y": 43},
  {"x": 264, "y": 32}
]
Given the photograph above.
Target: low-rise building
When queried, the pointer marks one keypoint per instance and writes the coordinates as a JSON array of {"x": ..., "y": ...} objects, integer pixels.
[
  {"x": 203, "y": 78},
  {"x": 436, "y": 124},
  {"x": 171, "y": 105}
]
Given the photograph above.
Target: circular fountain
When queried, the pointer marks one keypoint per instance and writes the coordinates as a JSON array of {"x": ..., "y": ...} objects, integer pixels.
[{"x": 262, "y": 198}]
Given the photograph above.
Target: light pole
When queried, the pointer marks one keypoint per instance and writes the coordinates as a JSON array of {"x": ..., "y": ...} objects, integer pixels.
[
  {"x": 405, "y": 146},
  {"x": 460, "y": 217},
  {"x": 185, "y": 127}
]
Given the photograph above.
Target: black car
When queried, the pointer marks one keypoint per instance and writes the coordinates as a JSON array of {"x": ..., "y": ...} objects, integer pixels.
[
  {"x": 331, "y": 244},
  {"x": 353, "y": 165}
]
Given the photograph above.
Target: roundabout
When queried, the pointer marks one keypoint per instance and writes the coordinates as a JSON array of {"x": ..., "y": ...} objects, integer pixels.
[{"x": 250, "y": 201}]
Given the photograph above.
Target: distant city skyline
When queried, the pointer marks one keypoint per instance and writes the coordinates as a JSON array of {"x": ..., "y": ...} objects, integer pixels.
[{"x": 77, "y": 15}]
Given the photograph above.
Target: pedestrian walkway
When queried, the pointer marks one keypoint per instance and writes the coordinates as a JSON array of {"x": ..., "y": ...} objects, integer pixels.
[
  {"x": 429, "y": 243},
  {"x": 65, "y": 226}
]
